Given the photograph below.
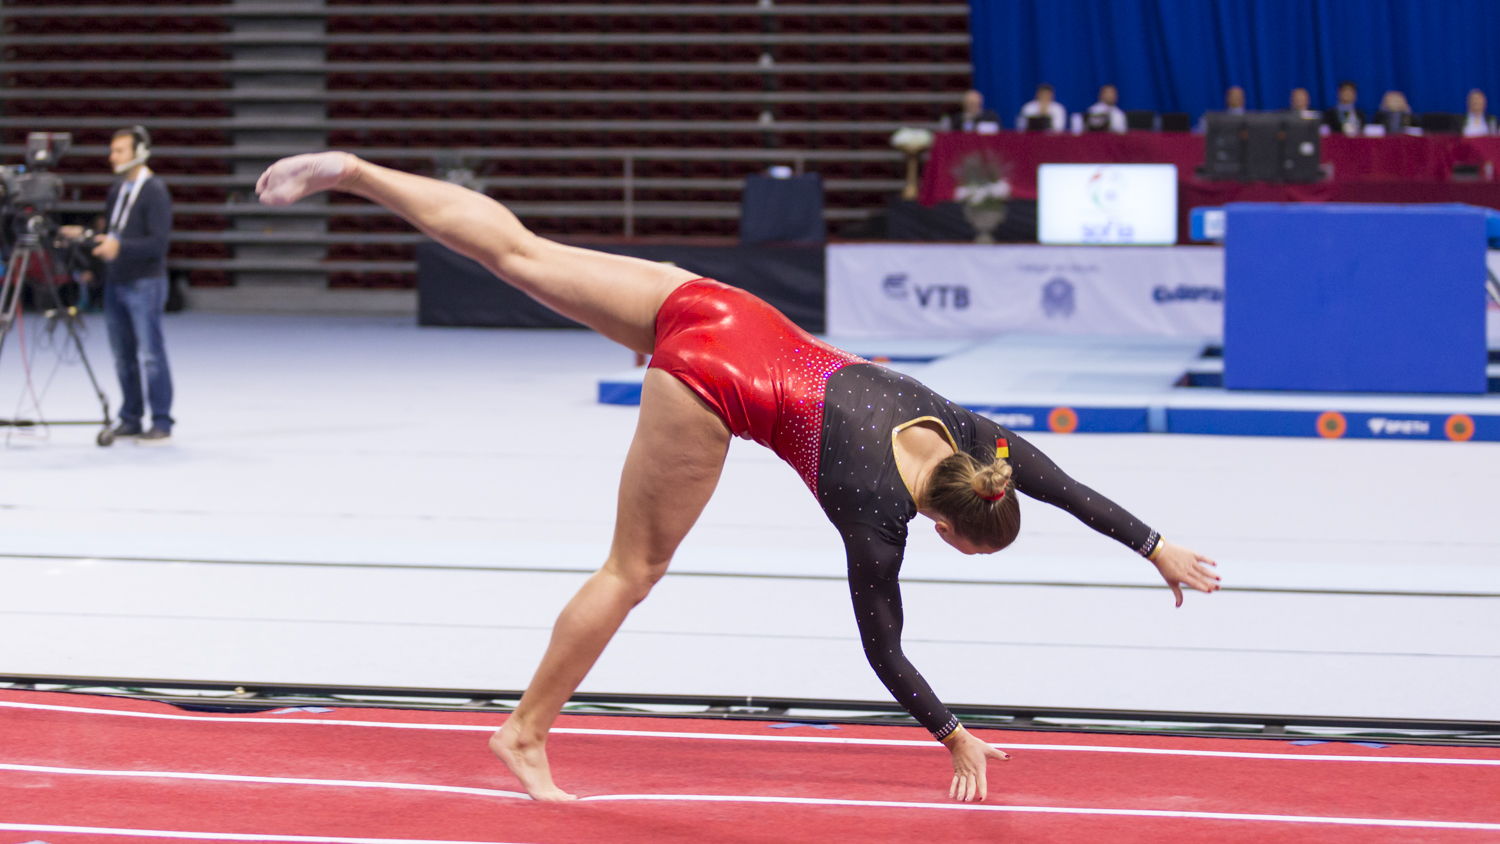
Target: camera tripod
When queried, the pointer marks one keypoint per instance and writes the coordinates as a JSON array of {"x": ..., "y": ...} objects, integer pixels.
[{"x": 29, "y": 252}]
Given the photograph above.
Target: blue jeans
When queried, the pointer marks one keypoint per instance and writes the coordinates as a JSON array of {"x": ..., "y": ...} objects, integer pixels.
[{"x": 132, "y": 312}]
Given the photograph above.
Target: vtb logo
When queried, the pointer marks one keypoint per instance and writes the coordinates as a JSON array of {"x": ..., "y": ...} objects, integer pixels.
[{"x": 933, "y": 296}]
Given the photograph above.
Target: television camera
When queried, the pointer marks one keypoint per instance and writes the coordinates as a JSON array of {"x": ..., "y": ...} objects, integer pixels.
[{"x": 35, "y": 248}]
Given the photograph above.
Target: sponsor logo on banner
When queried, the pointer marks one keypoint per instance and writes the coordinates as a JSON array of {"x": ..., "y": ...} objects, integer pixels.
[
  {"x": 1186, "y": 293},
  {"x": 1381, "y": 426},
  {"x": 941, "y": 296},
  {"x": 1332, "y": 424},
  {"x": 1459, "y": 427},
  {"x": 1058, "y": 298},
  {"x": 1012, "y": 420},
  {"x": 930, "y": 290},
  {"x": 932, "y": 296}
]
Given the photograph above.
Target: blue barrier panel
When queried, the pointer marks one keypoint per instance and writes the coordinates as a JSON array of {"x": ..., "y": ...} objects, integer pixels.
[
  {"x": 1333, "y": 424},
  {"x": 1354, "y": 298},
  {"x": 620, "y": 392},
  {"x": 1067, "y": 420}
]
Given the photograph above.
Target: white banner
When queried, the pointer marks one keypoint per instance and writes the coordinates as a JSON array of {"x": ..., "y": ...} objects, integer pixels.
[{"x": 969, "y": 290}]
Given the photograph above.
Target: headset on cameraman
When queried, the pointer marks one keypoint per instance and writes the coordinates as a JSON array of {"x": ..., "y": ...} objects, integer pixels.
[{"x": 141, "y": 143}]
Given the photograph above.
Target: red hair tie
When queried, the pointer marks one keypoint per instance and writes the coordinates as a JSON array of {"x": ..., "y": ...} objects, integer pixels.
[{"x": 1002, "y": 450}]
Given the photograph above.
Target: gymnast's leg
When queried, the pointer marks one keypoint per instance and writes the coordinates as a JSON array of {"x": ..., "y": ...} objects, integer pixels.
[
  {"x": 615, "y": 295},
  {"x": 670, "y": 472}
]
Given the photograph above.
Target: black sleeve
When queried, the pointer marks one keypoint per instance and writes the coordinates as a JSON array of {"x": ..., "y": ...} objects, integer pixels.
[
  {"x": 874, "y": 563},
  {"x": 1037, "y": 476}
]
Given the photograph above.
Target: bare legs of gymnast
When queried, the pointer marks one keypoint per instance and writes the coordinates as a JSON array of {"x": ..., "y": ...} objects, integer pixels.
[{"x": 674, "y": 461}]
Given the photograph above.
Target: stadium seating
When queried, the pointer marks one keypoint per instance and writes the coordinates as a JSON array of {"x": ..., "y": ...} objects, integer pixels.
[{"x": 551, "y": 104}]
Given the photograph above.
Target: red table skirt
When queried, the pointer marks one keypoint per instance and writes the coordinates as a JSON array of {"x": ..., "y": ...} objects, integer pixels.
[{"x": 1428, "y": 159}]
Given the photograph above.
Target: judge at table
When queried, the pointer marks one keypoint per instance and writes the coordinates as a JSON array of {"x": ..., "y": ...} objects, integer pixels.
[
  {"x": 1045, "y": 105},
  {"x": 1103, "y": 116},
  {"x": 1301, "y": 104},
  {"x": 1234, "y": 103},
  {"x": 1345, "y": 117},
  {"x": 1394, "y": 113},
  {"x": 973, "y": 118},
  {"x": 1476, "y": 122}
]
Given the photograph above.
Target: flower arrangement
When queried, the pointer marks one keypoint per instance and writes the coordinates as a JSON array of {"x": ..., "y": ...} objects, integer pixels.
[
  {"x": 911, "y": 141},
  {"x": 981, "y": 181}
]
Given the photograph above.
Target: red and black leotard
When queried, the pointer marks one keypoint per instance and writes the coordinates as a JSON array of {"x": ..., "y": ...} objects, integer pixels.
[{"x": 833, "y": 416}]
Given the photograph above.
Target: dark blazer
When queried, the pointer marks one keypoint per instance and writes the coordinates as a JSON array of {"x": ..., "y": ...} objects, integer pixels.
[
  {"x": 143, "y": 241},
  {"x": 1331, "y": 119},
  {"x": 955, "y": 122},
  {"x": 1392, "y": 120}
]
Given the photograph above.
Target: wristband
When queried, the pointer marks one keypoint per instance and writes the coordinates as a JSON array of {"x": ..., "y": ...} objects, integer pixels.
[{"x": 1161, "y": 542}]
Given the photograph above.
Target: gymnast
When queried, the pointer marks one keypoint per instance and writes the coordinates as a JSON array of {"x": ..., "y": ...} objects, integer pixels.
[{"x": 875, "y": 447}]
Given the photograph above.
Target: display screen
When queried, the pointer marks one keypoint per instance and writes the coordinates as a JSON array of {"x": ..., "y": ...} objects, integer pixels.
[{"x": 1107, "y": 203}]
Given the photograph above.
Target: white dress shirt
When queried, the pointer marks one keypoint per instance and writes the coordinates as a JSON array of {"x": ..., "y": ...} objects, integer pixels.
[
  {"x": 1476, "y": 125},
  {"x": 1116, "y": 118},
  {"x": 1055, "y": 111}
]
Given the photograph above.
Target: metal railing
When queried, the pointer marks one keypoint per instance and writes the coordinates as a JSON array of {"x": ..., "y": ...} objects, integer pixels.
[{"x": 277, "y": 10}]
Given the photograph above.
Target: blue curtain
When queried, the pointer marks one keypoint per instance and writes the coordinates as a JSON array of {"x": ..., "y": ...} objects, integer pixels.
[{"x": 1181, "y": 55}]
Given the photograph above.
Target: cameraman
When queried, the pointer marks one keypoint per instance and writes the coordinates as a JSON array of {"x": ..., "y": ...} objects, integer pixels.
[{"x": 134, "y": 251}]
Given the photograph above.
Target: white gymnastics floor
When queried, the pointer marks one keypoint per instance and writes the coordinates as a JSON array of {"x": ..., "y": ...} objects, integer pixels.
[{"x": 363, "y": 502}]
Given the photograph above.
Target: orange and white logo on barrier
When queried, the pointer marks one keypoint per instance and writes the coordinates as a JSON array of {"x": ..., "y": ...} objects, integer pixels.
[
  {"x": 1332, "y": 425},
  {"x": 1459, "y": 427}
]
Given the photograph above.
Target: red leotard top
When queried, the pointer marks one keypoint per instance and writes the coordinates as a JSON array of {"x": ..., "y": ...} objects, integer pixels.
[{"x": 761, "y": 374}]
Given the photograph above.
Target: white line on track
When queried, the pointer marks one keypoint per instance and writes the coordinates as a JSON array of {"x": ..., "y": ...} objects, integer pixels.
[
  {"x": 181, "y": 775},
  {"x": 733, "y": 798},
  {"x": 823, "y": 740},
  {"x": 218, "y": 836}
]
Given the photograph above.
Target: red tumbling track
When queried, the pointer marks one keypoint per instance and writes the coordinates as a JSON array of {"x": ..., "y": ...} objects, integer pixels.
[{"x": 70, "y": 772}]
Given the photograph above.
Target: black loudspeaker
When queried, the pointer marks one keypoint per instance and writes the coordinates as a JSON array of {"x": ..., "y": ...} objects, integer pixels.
[
  {"x": 1224, "y": 148},
  {"x": 1263, "y": 135},
  {"x": 1265, "y": 147},
  {"x": 1301, "y": 149}
]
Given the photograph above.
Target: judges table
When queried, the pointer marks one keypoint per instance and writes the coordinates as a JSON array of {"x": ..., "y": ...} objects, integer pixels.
[{"x": 1405, "y": 158}]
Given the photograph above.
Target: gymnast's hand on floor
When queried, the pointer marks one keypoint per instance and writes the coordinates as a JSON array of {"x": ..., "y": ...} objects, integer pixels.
[
  {"x": 290, "y": 179},
  {"x": 971, "y": 757},
  {"x": 1180, "y": 567}
]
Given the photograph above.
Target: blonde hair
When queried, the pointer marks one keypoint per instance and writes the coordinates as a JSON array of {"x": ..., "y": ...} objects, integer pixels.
[{"x": 960, "y": 490}]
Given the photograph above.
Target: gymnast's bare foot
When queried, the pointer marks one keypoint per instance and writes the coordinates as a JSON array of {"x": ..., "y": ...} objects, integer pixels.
[
  {"x": 527, "y": 759},
  {"x": 290, "y": 179}
]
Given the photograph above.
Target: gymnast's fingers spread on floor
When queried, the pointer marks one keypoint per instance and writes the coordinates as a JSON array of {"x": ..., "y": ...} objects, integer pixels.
[
  {"x": 1207, "y": 577},
  {"x": 1176, "y": 592},
  {"x": 953, "y": 786}
]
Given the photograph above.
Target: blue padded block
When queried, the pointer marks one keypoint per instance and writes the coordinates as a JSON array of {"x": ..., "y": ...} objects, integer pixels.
[{"x": 1354, "y": 298}]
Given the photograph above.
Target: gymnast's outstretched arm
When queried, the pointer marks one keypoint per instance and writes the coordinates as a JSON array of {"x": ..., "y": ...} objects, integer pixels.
[
  {"x": 1039, "y": 477},
  {"x": 617, "y": 296},
  {"x": 874, "y": 565}
]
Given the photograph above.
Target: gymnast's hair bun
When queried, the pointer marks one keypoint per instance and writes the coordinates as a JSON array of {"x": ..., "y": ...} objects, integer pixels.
[{"x": 992, "y": 481}]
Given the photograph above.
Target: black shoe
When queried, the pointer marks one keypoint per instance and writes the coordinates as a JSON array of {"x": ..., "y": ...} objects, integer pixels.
[
  {"x": 126, "y": 431},
  {"x": 155, "y": 436}
]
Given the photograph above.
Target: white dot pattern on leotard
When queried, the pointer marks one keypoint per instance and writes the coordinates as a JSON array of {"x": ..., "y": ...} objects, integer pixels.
[{"x": 805, "y": 369}]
